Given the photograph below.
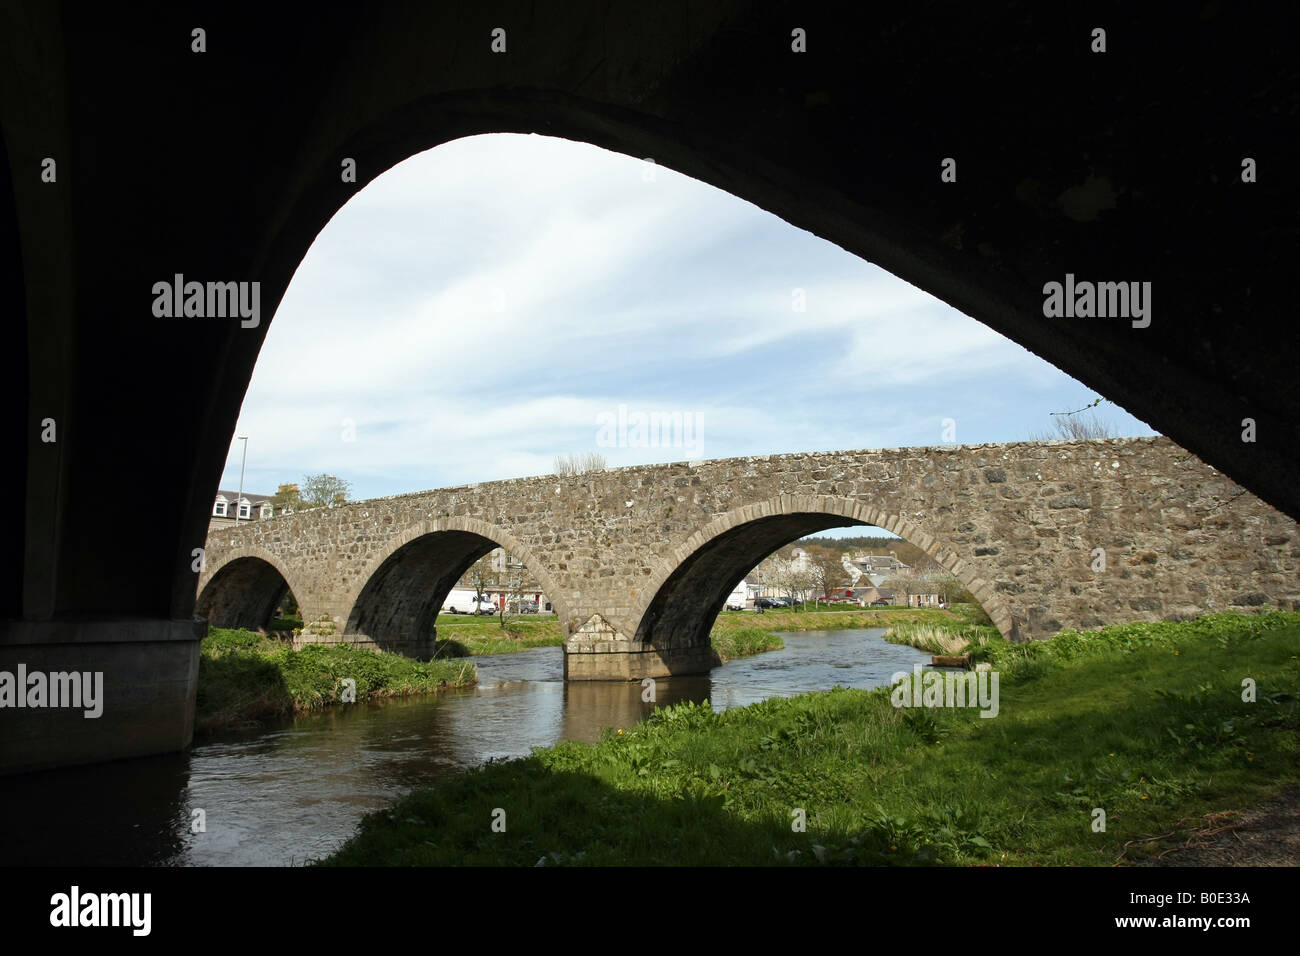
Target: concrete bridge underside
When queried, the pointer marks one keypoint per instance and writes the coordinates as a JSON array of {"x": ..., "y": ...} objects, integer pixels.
[
  {"x": 224, "y": 165},
  {"x": 638, "y": 561}
]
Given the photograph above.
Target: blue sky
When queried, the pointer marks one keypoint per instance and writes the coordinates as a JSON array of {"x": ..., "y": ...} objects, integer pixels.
[{"x": 487, "y": 305}]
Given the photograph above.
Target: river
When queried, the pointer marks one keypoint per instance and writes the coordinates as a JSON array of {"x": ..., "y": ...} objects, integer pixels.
[{"x": 284, "y": 794}]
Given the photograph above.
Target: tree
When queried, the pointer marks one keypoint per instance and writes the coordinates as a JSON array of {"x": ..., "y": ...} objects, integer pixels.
[
  {"x": 792, "y": 576},
  {"x": 324, "y": 491},
  {"x": 1076, "y": 426},
  {"x": 482, "y": 574},
  {"x": 287, "y": 498},
  {"x": 579, "y": 464},
  {"x": 903, "y": 584},
  {"x": 804, "y": 582},
  {"x": 826, "y": 567}
]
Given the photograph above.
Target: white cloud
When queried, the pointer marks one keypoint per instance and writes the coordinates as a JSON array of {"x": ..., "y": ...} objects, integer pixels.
[{"x": 476, "y": 307}]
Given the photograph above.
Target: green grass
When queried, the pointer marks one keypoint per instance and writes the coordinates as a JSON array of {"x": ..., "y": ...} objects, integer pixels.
[
  {"x": 955, "y": 637},
  {"x": 732, "y": 643},
  {"x": 860, "y": 618},
  {"x": 469, "y": 636},
  {"x": 969, "y": 626},
  {"x": 1144, "y": 721},
  {"x": 245, "y": 678}
]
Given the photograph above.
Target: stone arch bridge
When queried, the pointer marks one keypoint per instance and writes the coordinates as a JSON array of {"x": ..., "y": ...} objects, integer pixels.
[{"x": 638, "y": 561}]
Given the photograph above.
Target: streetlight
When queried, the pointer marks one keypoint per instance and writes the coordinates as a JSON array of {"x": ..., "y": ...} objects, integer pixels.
[{"x": 239, "y": 499}]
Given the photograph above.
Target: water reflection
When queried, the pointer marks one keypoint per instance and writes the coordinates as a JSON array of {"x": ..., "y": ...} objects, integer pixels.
[{"x": 284, "y": 795}]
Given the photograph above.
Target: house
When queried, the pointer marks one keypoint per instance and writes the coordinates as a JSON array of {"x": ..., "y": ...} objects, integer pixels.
[
  {"x": 876, "y": 568},
  {"x": 866, "y": 596},
  {"x": 252, "y": 507},
  {"x": 775, "y": 575}
]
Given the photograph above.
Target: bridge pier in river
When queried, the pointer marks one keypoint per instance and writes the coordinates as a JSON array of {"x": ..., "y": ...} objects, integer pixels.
[{"x": 638, "y": 561}]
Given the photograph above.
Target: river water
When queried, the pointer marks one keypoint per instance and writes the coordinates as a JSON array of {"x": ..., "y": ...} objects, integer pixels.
[{"x": 283, "y": 795}]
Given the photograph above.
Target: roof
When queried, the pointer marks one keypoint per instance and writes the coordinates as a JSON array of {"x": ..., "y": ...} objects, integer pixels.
[
  {"x": 876, "y": 562},
  {"x": 874, "y": 593},
  {"x": 250, "y": 496}
]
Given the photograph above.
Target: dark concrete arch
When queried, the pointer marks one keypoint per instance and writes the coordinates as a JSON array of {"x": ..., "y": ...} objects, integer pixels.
[
  {"x": 404, "y": 587},
  {"x": 688, "y": 593},
  {"x": 14, "y": 397},
  {"x": 709, "y": 92},
  {"x": 243, "y": 591},
  {"x": 1066, "y": 166}
]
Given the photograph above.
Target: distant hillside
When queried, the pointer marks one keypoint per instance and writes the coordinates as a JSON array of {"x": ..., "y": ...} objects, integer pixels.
[{"x": 907, "y": 552}]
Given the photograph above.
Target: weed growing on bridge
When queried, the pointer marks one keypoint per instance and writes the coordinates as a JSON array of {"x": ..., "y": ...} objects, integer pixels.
[{"x": 1099, "y": 720}]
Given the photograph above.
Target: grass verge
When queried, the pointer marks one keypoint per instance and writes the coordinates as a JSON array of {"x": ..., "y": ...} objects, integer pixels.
[{"x": 1145, "y": 722}]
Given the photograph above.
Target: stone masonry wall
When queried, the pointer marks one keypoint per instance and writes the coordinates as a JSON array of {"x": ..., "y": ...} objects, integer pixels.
[{"x": 1017, "y": 523}]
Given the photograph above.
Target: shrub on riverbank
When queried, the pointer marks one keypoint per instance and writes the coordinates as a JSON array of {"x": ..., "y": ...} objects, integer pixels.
[
  {"x": 950, "y": 638},
  {"x": 1144, "y": 721},
  {"x": 246, "y": 677},
  {"x": 743, "y": 642}
]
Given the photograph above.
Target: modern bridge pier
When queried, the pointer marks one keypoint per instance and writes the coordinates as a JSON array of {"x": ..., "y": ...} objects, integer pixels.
[
  {"x": 638, "y": 561},
  {"x": 142, "y": 676}
]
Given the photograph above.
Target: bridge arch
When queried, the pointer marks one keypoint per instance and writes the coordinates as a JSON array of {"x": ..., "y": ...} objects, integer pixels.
[
  {"x": 244, "y": 589},
  {"x": 688, "y": 589},
  {"x": 403, "y": 588}
]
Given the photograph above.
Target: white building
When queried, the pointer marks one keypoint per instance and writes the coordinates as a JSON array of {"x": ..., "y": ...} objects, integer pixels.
[
  {"x": 249, "y": 507},
  {"x": 739, "y": 595}
]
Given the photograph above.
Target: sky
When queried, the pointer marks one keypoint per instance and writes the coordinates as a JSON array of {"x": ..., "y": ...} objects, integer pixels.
[{"x": 501, "y": 300}]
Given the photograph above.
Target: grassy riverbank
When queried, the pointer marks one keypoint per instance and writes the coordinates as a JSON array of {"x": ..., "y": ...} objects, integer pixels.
[
  {"x": 731, "y": 643},
  {"x": 1143, "y": 721},
  {"x": 245, "y": 677},
  {"x": 826, "y": 620},
  {"x": 471, "y": 637},
  {"x": 969, "y": 628}
]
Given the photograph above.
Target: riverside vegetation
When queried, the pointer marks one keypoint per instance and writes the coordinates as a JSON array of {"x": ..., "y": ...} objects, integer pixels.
[
  {"x": 1145, "y": 721},
  {"x": 735, "y": 633},
  {"x": 485, "y": 635},
  {"x": 968, "y": 627},
  {"x": 246, "y": 677}
]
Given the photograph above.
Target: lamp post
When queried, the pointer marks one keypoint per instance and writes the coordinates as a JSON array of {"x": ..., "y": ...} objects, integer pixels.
[{"x": 239, "y": 499}]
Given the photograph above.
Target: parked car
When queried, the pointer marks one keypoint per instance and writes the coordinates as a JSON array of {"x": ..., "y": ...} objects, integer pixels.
[
  {"x": 483, "y": 607},
  {"x": 767, "y": 602},
  {"x": 784, "y": 602},
  {"x": 525, "y": 607},
  {"x": 735, "y": 607}
]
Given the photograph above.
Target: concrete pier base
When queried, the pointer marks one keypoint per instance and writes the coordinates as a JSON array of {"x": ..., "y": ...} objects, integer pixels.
[{"x": 150, "y": 675}]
